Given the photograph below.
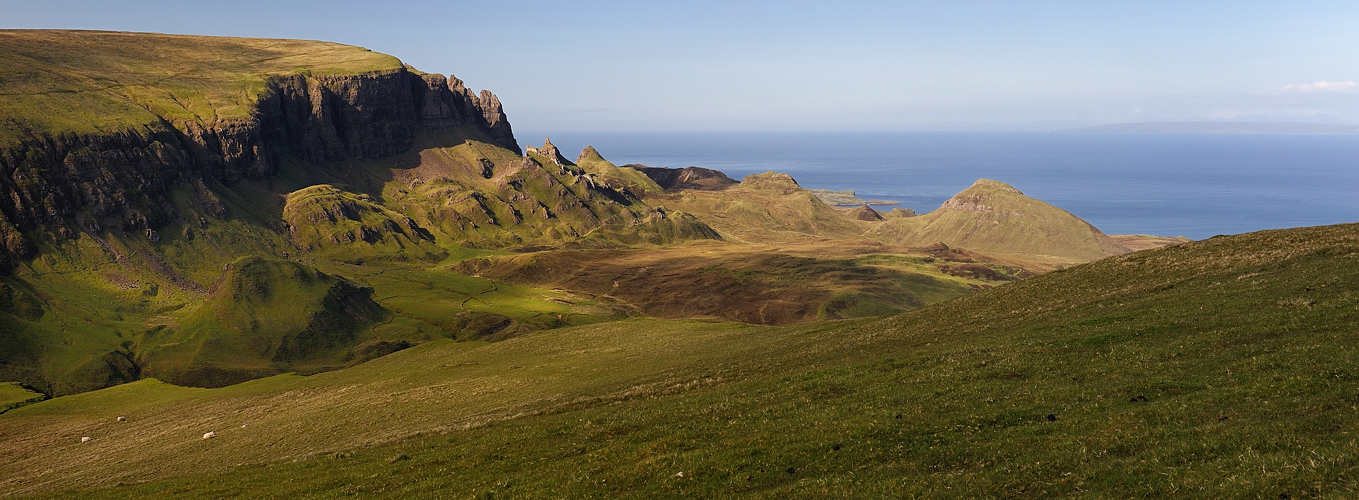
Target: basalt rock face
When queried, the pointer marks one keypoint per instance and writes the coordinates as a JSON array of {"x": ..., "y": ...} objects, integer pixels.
[
  {"x": 447, "y": 103},
  {"x": 341, "y": 117},
  {"x": 58, "y": 185}
]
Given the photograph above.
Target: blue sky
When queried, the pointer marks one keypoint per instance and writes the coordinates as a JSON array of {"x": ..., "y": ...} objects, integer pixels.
[{"x": 804, "y": 65}]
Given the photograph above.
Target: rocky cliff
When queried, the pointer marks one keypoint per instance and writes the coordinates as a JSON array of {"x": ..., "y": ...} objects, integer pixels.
[
  {"x": 447, "y": 103},
  {"x": 55, "y": 183}
]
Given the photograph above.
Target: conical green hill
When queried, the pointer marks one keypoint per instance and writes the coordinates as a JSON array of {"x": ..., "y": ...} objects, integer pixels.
[{"x": 994, "y": 217}]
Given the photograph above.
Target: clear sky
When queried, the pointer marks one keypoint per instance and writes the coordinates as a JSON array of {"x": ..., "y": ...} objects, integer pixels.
[{"x": 804, "y": 65}]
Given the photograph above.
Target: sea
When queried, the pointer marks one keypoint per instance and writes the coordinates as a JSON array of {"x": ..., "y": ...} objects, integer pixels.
[{"x": 1193, "y": 185}]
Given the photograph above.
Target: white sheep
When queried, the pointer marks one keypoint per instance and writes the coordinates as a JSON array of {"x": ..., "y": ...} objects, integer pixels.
[
  {"x": 209, "y": 434},
  {"x": 122, "y": 419},
  {"x": 85, "y": 439}
]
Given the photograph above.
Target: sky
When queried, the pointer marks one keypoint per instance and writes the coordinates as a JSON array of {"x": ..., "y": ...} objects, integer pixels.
[{"x": 738, "y": 65}]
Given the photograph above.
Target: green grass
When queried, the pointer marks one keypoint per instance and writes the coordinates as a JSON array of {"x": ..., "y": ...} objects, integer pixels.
[
  {"x": 13, "y": 395},
  {"x": 1220, "y": 368},
  {"x": 995, "y": 218},
  {"x": 88, "y": 82},
  {"x": 470, "y": 307},
  {"x": 632, "y": 179}
]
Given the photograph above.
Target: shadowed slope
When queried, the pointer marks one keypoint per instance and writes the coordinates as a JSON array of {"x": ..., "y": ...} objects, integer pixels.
[{"x": 265, "y": 317}]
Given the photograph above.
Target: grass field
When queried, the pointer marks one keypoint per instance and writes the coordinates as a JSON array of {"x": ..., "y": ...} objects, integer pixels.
[
  {"x": 86, "y": 82},
  {"x": 14, "y": 395},
  {"x": 1220, "y": 368}
]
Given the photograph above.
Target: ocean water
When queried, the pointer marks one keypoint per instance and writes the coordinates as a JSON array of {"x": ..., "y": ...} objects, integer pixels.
[{"x": 1165, "y": 184}]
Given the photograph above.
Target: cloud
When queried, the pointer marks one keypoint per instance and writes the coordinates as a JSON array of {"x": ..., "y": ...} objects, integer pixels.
[{"x": 1323, "y": 86}]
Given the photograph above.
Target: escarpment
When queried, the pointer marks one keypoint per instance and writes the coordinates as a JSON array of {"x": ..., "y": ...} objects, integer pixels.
[{"x": 55, "y": 184}]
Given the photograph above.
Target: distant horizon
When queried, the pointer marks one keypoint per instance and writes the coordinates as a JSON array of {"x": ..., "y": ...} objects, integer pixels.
[{"x": 964, "y": 130}]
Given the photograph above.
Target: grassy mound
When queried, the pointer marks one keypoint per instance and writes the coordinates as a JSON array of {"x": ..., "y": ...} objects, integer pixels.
[
  {"x": 265, "y": 317},
  {"x": 993, "y": 217},
  {"x": 1219, "y": 368},
  {"x": 14, "y": 395},
  {"x": 636, "y": 181},
  {"x": 764, "y": 208},
  {"x": 353, "y": 228}
]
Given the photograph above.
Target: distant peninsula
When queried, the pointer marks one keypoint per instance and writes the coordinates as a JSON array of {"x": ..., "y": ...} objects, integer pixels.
[{"x": 1221, "y": 128}]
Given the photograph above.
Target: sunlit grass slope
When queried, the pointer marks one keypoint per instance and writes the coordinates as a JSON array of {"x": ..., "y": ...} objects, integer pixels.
[
  {"x": 995, "y": 218},
  {"x": 1219, "y": 368},
  {"x": 767, "y": 208},
  {"x": 13, "y": 395},
  {"x": 89, "y": 82}
]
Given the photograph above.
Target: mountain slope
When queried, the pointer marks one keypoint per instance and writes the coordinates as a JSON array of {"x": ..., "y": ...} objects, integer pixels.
[
  {"x": 763, "y": 208},
  {"x": 134, "y": 167},
  {"x": 265, "y": 317},
  {"x": 1219, "y": 368},
  {"x": 994, "y": 217}
]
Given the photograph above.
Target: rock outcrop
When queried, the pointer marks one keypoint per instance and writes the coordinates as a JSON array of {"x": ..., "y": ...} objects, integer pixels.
[
  {"x": 447, "y": 103},
  {"x": 551, "y": 153},
  {"x": 679, "y": 179}
]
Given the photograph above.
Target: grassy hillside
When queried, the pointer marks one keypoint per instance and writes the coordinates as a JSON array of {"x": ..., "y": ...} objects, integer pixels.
[
  {"x": 112, "y": 283},
  {"x": 1219, "y": 368},
  {"x": 593, "y": 162},
  {"x": 87, "y": 82},
  {"x": 14, "y": 395},
  {"x": 264, "y": 317},
  {"x": 994, "y": 217},
  {"x": 768, "y": 208}
]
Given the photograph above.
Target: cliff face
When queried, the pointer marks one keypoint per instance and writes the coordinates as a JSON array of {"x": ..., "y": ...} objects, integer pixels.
[
  {"x": 447, "y": 103},
  {"x": 123, "y": 179}
]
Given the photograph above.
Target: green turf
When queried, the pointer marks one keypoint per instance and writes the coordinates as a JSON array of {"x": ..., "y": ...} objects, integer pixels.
[
  {"x": 1220, "y": 368},
  {"x": 13, "y": 395},
  {"x": 87, "y": 82}
]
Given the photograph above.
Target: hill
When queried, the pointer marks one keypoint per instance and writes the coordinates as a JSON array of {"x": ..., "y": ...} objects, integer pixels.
[
  {"x": 1217, "y": 368},
  {"x": 994, "y": 217}
]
